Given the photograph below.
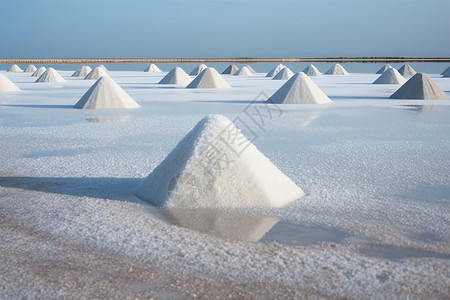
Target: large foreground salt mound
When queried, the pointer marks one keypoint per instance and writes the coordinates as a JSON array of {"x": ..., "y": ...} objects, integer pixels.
[
  {"x": 39, "y": 72},
  {"x": 152, "y": 68},
  {"x": 384, "y": 69},
  {"x": 96, "y": 73},
  {"x": 106, "y": 93},
  {"x": 50, "y": 75},
  {"x": 275, "y": 70},
  {"x": 337, "y": 69},
  {"x": 7, "y": 85},
  {"x": 83, "y": 71},
  {"x": 300, "y": 89},
  {"x": 284, "y": 74},
  {"x": 209, "y": 78},
  {"x": 231, "y": 69},
  {"x": 390, "y": 76},
  {"x": 30, "y": 69},
  {"x": 14, "y": 68},
  {"x": 421, "y": 87},
  {"x": 407, "y": 70},
  {"x": 176, "y": 76},
  {"x": 311, "y": 70},
  {"x": 215, "y": 166},
  {"x": 198, "y": 69},
  {"x": 243, "y": 71}
]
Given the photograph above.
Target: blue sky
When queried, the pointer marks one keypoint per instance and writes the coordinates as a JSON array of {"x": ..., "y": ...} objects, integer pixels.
[{"x": 223, "y": 28}]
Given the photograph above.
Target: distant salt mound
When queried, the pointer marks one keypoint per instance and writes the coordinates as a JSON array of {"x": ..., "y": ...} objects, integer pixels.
[
  {"x": 250, "y": 68},
  {"x": 14, "y": 68},
  {"x": 311, "y": 70},
  {"x": 30, "y": 69},
  {"x": 103, "y": 67},
  {"x": 96, "y": 74},
  {"x": 7, "y": 85},
  {"x": 50, "y": 75},
  {"x": 176, "y": 76},
  {"x": 390, "y": 76},
  {"x": 39, "y": 72},
  {"x": 419, "y": 87},
  {"x": 198, "y": 69},
  {"x": 209, "y": 78},
  {"x": 284, "y": 74},
  {"x": 243, "y": 71},
  {"x": 407, "y": 70},
  {"x": 153, "y": 68},
  {"x": 231, "y": 69},
  {"x": 337, "y": 69},
  {"x": 384, "y": 69},
  {"x": 446, "y": 71},
  {"x": 82, "y": 72},
  {"x": 106, "y": 93},
  {"x": 275, "y": 70},
  {"x": 238, "y": 177},
  {"x": 300, "y": 89}
]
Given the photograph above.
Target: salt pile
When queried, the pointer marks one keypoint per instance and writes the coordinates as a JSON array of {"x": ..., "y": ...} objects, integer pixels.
[
  {"x": 231, "y": 69},
  {"x": 284, "y": 74},
  {"x": 106, "y": 93},
  {"x": 198, "y": 69},
  {"x": 337, "y": 69},
  {"x": 82, "y": 72},
  {"x": 383, "y": 69},
  {"x": 446, "y": 71},
  {"x": 243, "y": 71},
  {"x": 250, "y": 68},
  {"x": 152, "y": 68},
  {"x": 103, "y": 67},
  {"x": 30, "y": 69},
  {"x": 14, "y": 68},
  {"x": 275, "y": 70},
  {"x": 407, "y": 70},
  {"x": 300, "y": 89},
  {"x": 390, "y": 76},
  {"x": 311, "y": 70},
  {"x": 215, "y": 166},
  {"x": 209, "y": 78},
  {"x": 50, "y": 75},
  {"x": 96, "y": 74},
  {"x": 7, "y": 85},
  {"x": 421, "y": 87},
  {"x": 176, "y": 76},
  {"x": 39, "y": 72}
]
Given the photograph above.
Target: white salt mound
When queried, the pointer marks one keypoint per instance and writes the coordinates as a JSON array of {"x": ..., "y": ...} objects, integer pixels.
[
  {"x": 284, "y": 74},
  {"x": 420, "y": 87},
  {"x": 250, "y": 68},
  {"x": 311, "y": 70},
  {"x": 82, "y": 72},
  {"x": 14, "y": 68},
  {"x": 384, "y": 69},
  {"x": 206, "y": 171},
  {"x": 103, "y": 67},
  {"x": 106, "y": 93},
  {"x": 50, "y": 75},
  {"x": 209, "y": 78},
  {"x": 7, "y": 85},
  {"x": 176, "y": 76},
  {"x": 231, "y": 69},
  {"x": 244, "y": 71},
  {"x": 446, "y": 71},
  {"x": 39, "y": 72},
  {"x": 198, "y": 69},
  {"x": 337, "y": 69},
  {"x": 152, "y": 68},
  {"x": 96, "y": 74},
  {"x": 300, "y": 89},
  {"x": 30, "y": 69},
  {"x": 407, "y": 70},
  {"x": 275, "y": 70},
  {"x": 390, "y": 76}
]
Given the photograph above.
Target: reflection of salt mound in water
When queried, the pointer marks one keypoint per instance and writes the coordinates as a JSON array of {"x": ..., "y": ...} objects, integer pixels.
[
  {"x": 106, "y": 119},
  {"x": 176, "y": 76},
  {"x": 30, "y": 69},
  {"x": 82, "y": 72},
  {"x": 419, "y": 87},
  {"x": 152, "y": 68},
  {"x": 208, "y": 169},
  {"x": 337, "y": 69},
  {"x": 284, "y": 74},
  {"x": 275, "y": 70},
  {"x": 39, "y": 72},
  {"x": 7, "y": 85},
  {"x": 383, "y": 69},
  {"x": 209, "y": 78},
  {"x": 50, "y": 76},
  {"x": 221, "y": 224},
  {"x": 231, "y": 69},
  {"x": 198, "y": 69}
]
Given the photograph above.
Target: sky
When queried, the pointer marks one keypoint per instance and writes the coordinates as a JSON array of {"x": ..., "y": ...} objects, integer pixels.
[{"x": 223, "y": 28}]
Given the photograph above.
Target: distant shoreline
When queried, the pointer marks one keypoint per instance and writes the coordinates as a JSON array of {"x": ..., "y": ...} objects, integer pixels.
[{"x": 224, "y": 60}]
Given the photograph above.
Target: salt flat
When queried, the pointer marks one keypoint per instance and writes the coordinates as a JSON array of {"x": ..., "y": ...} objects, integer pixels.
[{"x": 374, "y": 169}]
